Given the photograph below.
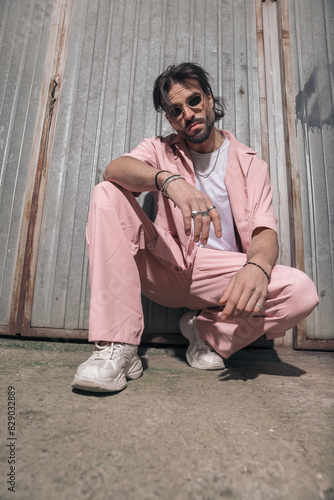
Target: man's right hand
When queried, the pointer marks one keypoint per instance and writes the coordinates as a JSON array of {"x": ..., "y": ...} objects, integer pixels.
[
  {"x": 135, "y": 175},
  {"x": 189, "y": 199}
]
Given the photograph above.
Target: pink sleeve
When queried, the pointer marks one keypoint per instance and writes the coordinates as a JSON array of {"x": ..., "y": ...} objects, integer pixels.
[
  {"x": 260, "y": 192},
  {"x": 146, "y": 152}
]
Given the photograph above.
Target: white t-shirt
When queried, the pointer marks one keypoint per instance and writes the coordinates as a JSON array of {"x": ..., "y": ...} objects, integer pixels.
[{"x": 214, "y": 187}]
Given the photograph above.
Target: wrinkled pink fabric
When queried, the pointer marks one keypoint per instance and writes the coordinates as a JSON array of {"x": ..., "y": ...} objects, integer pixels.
[
  {"x": 246, "y": 179},
  {"x": 130, "y": 255}
]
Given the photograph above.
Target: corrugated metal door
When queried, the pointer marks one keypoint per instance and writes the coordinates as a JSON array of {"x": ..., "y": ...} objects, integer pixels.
[
  {"x": 90, "y": 101},
  {"x": 24, "y": 37},
  {"x": 115, "y": 51},
  {"x": 312, "y": 36}
]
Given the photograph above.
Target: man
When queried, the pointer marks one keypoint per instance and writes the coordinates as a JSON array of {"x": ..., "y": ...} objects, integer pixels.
[{"x": 212, "y": 248}]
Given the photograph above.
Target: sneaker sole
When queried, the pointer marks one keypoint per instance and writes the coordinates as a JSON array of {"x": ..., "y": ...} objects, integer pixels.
[
  {"x": 94, "y": 386},
  {"x": 196, "y": 364},
  {"x": 134, "y": 371}
]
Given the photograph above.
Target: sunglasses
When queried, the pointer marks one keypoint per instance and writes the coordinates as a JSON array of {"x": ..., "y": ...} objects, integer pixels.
[{"x": 194, "y": 102}]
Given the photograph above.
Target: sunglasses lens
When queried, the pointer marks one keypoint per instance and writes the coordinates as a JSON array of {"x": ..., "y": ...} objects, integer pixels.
[
  {"x": 192, "y": 103},
  {"x": 195, "y": 101},
  {"x": 175, "y": 112}
]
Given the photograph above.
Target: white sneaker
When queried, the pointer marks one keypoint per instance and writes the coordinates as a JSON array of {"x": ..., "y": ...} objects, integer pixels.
[
  {"x": 199, "y": 354},
  {"x": 108, "y": 367}
]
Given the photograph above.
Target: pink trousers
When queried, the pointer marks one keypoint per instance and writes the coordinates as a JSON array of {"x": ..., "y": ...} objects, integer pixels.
[{"x": 129, "y": 255}]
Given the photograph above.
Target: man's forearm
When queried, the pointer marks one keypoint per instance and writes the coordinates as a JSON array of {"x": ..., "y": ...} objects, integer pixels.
[
  {"x": 133, "y": 174},
  {"x": 137, "y": 176},
  {"x": 263, "y": 249}
]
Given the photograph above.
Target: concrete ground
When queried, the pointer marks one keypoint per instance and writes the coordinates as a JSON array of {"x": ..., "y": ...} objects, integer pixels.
[{"x": 262, "y": 429}]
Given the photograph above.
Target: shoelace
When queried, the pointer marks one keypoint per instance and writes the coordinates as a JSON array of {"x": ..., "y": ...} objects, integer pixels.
[
  {"x": 108, "y": 351},
  {"x": 102, "y": 352}
]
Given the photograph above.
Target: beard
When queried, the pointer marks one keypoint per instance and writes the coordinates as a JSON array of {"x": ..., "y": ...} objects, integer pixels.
[{"x": 200, "y": 135}]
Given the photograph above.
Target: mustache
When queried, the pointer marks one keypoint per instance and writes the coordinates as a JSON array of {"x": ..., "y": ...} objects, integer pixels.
[{"x": 191, "y": 122}]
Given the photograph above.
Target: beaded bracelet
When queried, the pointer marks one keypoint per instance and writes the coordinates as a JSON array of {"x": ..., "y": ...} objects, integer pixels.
[
  {"x": 257, "y": 265},
  {"x": 167, "y": 181},
  {"x": 156, "y": 178}
]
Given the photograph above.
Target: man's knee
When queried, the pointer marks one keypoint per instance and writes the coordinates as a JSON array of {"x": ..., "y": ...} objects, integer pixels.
[
  {"x": 303, "y": 291},
  {"x": 105, "y": 192}
]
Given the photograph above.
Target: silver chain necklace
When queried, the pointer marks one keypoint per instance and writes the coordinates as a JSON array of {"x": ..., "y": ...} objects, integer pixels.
[{"x": 207, "y": 175}]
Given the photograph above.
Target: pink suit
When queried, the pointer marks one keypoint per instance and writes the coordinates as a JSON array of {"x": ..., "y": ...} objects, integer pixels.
[{"x": 130, "y": 255}]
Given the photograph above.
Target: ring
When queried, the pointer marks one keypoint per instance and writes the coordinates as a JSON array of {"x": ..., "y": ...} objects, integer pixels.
[
  {"x": 258, "y": 305},
  {"x": 205, "y": 213},
  {"x": 211, "y": 208},
  {"x": 194, "y": 214}
]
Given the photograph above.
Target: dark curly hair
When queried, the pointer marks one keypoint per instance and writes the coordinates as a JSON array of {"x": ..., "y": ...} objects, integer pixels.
[{"x": 180, "y": 74}]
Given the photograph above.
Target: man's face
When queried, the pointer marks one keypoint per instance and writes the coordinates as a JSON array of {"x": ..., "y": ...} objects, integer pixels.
[{"x": 196, "y": 119}]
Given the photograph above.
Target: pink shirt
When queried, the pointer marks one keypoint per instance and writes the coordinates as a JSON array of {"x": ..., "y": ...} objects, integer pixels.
[{"x": 246, "y": 179}]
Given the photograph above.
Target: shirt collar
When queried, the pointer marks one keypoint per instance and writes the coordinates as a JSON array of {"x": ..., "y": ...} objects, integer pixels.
[{"x": 244, "y": 153}]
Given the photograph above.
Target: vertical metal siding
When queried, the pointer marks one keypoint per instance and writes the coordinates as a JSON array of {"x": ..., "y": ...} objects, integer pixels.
[
  {"x": 116, "y": 50},
  {"x": 24, "y": 32},
  {"x": 62, "y": 267},
  {"x": 276, "y": 130},
  {"x": 311, "y": 25}
]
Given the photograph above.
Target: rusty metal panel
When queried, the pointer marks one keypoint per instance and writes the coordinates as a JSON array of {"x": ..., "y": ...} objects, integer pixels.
[
  {"x": 24, "y": 33},
  {"x": 116, "y": 49},
  {"x": 312, "y": 35}
]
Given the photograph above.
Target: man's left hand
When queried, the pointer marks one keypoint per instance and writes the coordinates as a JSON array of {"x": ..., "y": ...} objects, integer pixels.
[{"x": 245, "y": 294}]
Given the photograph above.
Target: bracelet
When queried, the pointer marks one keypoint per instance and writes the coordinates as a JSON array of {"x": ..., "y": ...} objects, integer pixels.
[
  {"x": 257, "y": 265},
  {"x": 156, "y": 178},
  {"x": 167, "y": 181}
]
